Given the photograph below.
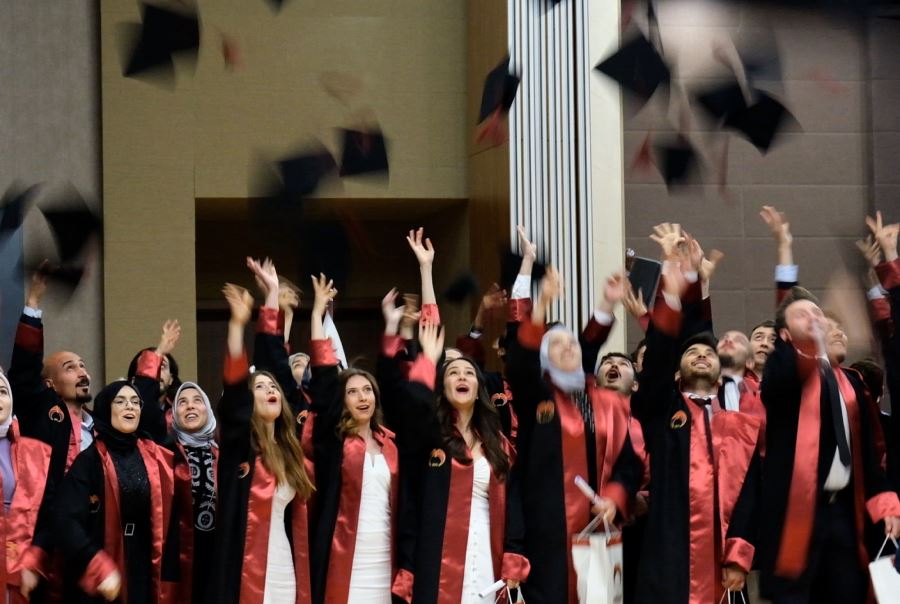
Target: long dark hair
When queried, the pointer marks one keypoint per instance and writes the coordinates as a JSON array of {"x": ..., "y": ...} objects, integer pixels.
[
  {"x": 347, "y": 425},
  {"x": 281, "y": 452},
  {"x": 173, "y": 370},
  {"x": 485, "y": 424}
]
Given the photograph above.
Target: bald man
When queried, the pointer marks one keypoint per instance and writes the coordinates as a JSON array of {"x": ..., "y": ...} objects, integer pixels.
[{"x": 51, "y": 392}]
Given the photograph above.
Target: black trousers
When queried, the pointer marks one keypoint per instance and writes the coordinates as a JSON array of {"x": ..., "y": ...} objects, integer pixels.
[{"x": 834, "y": 573}]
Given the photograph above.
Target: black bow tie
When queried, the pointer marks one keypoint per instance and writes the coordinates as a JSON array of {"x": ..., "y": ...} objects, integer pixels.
[{"x": 701, "y": 400}]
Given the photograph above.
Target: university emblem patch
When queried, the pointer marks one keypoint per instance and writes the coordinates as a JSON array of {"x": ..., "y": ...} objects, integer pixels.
[
  {"x": 545, "y": 412},
  {"x": 678, "y": 420}
]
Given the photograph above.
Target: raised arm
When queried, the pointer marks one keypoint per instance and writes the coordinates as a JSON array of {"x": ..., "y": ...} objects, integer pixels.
[
  {"x": 601, "y": 322},
  {"x": 236, "y": 407},
  {"x": 146, "y": 381},
  {"x": 470, "y": 344},
  {"x": 786, "y": 272},
  {"x": 269, "y": 352},
  {"x": 424, "y": 251},
  {"x": 32, "y": 396},
  {"x": 327, "y": 402}
]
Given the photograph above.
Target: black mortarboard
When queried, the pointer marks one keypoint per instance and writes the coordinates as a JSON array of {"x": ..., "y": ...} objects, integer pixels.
[
  {"x": 677, "y": 161},
  {"x": 301, "y": 174},
  {"x": 637, "y": 67},
  {"x": 364, "y": 152},
  {"x": 72, "y": 224},
  {"x": 704, "y": 337},
  {"x": 509, "y": 269},
  {"x": 643, "y": 274},
  {"x": 14, "y": 205},
  {"x": 163, "y": 32},
  {"x": 462, "y": 286},
  {"x": 67, "y": 277},
  {"x": 722, "y": 101},
  {"x": 760, "y": 121},
  {"x": 499, "y": 91}
]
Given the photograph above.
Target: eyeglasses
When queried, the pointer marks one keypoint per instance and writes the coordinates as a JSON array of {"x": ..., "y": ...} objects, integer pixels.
[{"x": 123, "y": 402}]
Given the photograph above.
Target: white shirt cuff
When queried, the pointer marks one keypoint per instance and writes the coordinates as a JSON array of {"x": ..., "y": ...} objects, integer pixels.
[
  {"x": 673, "y": 302},
  {"x": 522, "y": 287},
  {"x": 602, "y": 317},
  {"x": 787, "y": 273},
  {"x": 875, "y": 293},
  {"x": 691, "y": 276},
  {"x": 474, "y": 334},
  {"x": 34, "y": 313}
]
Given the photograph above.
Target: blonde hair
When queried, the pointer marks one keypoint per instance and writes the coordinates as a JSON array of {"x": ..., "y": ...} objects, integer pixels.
[{"x": 281, "y": 452}]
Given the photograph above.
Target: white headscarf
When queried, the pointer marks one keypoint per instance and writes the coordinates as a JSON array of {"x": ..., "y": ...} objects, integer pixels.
[
  {"x": 567, "y": 381},
  {"x": 4, "y": 427},
  {"x": 205, "y": 436}
]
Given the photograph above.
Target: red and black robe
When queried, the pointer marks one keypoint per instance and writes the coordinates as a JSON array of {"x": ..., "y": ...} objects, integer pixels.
[
  {"x": 89, "y": 528},
  {"x": 800, "y": 442},
  {"x": 443, "y": 490},
  {"x": 26, "y": 527},
  {"x": 554, "y": 446},
  {"x": 705, "y": 471},
  {"x": 339, "y": 464},
  {"x": 244, "y": 499}
]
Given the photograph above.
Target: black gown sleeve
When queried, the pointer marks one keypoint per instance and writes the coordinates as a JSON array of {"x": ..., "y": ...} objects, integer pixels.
[
  {"x": 33, "y": 398},
  {"x": 650, "y": 404},
  {"x": 73, "y": 533}
]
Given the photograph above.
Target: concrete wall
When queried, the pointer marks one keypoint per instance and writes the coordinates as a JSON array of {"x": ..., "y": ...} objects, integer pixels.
[
  {"x": 818, "y": 173},
  {"x": 49, "y": 115}
]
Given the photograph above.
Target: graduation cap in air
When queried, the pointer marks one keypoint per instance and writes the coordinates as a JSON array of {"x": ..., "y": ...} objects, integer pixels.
[
  {"x": 301, "y": 174},
  {"x": 163, "y": 32},
  {"x": 462, "y": 286},
  {"x": 722, "y": 101},
  {"x": 14, "y": 205},
  {"x": 637, "y": 66},
  {"x": 64, "y": 277},
  {"x": 677, "y": 161},
  {"x": 364, "y": 153},
  {"x": 509, "y": 269},
  {"x": 500, "y": 87},
  {"x": 760, "y": 121},
  {"x": 73, "y": 224}
]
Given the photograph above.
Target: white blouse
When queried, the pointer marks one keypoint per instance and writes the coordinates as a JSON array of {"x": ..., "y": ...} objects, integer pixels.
[
  {"x": 479, "y": 569},
  {"x": 281, "y": 582},
  {"x": 370, "y": 577}
]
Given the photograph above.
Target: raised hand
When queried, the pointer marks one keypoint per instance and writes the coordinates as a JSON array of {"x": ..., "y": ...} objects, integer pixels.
[
  {"x": 781, "y": 231},
  {"x": 288, "y": 297},
  {"x": 171, "y": 331},
  {"x": 423, "y": 249},
  {"x": 411, "y": 316},
  {"x": 37, "y": 287},
  {"x": 634, "y": 303},
  {"x": 870, "y": 250},
  {"x": 709, "y": 264},
  {"x": 494, "y": 297},
  {"x": 431, "y": 338},
  {"x": 551, "y": 290},
  {"x": 669, "y": 237},
  {"x": 673, "y": 282},
  {"x": 325, "y": 292},
  {"x": 392, "y": 313},
  {"x": 240, "y": 302},
  {"x": 614, "y": 291},
  {"x": 885, "y": 235},
  {"x": 527, "y": 248}
]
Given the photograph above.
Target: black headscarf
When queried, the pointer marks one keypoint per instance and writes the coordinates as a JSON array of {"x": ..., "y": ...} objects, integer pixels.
[{"x": 102, "y": 415}]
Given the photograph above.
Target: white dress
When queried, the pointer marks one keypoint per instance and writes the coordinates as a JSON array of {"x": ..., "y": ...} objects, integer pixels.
[
  {"x": 479, "y": 569},
  {"x": 370, "y": 577},
  {"x": 281, "y": 583}
]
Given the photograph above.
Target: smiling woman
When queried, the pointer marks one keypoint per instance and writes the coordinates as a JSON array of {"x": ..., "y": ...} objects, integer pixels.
[{"x": 125, "y": 480}]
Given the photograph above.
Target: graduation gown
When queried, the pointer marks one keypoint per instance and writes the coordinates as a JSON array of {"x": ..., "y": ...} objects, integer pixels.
[
  {"x": 552, "y": 450},
  {"x": 42, "y": 414},
  {"x": 889, "y": 275},
  {"x": 444, "y": 494},
  {"x": 245, "y": 491},
  {"x": 800, "y": 443},
  {"x": 339, "y": 464},
  {"x": 89, "y": 525},
  {"x": 27, "y": 525},
  {"x": 705, "y": 477}
]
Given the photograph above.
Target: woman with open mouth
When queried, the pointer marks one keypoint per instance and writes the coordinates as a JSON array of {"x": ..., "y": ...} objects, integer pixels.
[
  {"x": 568, "y": 427},
  {"x": 465, "y": 539},
  {"x": 357, "y": 476},
  {"x": 117, "y": 496},
  {"x": 24, "y": 464},
  {"x": 261, "y": 552}
]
